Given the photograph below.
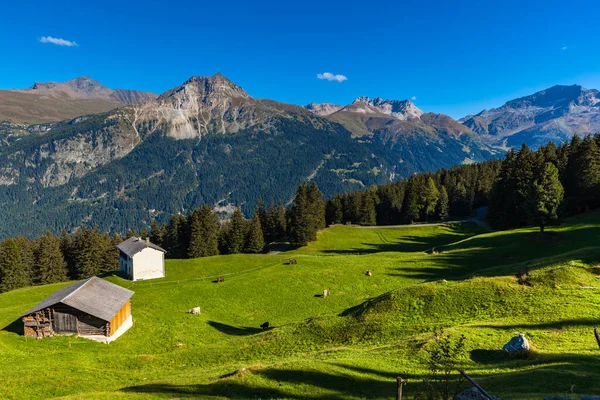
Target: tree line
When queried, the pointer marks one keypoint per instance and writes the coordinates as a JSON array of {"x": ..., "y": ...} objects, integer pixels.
[
  {"x": 525, "y": 188},
  {"x": 52, "y": 259}
]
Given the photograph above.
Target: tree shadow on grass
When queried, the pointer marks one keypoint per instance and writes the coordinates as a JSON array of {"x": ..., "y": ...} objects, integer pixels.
[
  {"x": 15, "y": 327},
  {"x": 235, "y": 331},
  {"x": 411, "y": 243},
  {"x": 548, "y": 325},
  {"x": 506, "y": 254}
]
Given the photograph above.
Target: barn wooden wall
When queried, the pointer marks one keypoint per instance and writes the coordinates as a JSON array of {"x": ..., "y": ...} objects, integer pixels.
[{"x": 121, "y": 317}]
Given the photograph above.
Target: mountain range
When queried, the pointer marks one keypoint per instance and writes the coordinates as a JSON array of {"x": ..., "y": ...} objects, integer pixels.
[
  {"x": 207, "y": 141},
  {"x": 57, "y": 101}
]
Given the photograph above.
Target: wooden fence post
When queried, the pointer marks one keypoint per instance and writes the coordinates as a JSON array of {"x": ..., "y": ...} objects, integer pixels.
[
  {"x": 399, "y": 383},
  {"x": 481, "y": 390},
  {"x": 597, "y": 336}
]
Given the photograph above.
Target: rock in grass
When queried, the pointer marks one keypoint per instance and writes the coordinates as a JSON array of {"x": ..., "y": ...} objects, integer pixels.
[
  {"x": 472, "y": 394},
  {"x": 517, "y": 345},
  {"x": 195, "y": 311}
]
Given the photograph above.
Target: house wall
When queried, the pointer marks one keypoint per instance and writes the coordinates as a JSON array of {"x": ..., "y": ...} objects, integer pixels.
[
  {"x": 120, "y": 318},
  {"x": 126, "y": 265},
  {"x": 148, "y": 264}
]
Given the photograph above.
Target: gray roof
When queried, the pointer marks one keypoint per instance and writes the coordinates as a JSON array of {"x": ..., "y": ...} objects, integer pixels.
[
  {"x": 93, "y": 296},
  {"x": 134, "y": 245}
]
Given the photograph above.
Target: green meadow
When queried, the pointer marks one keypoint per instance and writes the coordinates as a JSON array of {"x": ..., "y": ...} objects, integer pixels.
[{"x": 349, "y": 345}]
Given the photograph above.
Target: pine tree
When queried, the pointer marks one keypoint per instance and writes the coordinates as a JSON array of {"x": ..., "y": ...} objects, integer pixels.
[
  {"x": 66, "y": 247},
  {"x": 280, "y": 217},
  {"x": 547, "y": 194},
  {"x": 157, "y": 233},
  {"x": 333, "y": 211},
  {"x": 236, "y": 238},
  {"x": 27, "y": 256},
  {"x": 429, "y": 198},
  {"x": 204, "y": 232},
  {"x": 261, "y": 212},
  {"x": 302, "y": 227},
  {"x": 50, "y": 265},
  {"x": 12, "y": 271},
  {"x": 255, "y": 241},
  {"x": 92, "y": 253},
  {"x": 443, "y": 206},
  {"x": 316, "y": 207},
  {"x": 410, "y": 208},
  {"x": 368, "y": 215}
]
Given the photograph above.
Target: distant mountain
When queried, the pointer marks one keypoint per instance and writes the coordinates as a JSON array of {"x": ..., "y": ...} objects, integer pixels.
[
  {"x": 411, "y": 139},
  {"x": 323, "y": 109},
  {"x": 56, "y": 101},
  {"x": 554, "y": 114},
  {"x": 208, "y": 142}
]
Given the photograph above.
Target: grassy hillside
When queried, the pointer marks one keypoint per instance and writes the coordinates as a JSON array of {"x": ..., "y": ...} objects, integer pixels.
[{"x": 351, "y": 344}]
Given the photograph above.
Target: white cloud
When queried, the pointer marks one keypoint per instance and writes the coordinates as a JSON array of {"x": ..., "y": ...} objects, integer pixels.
[
  {"x": 564, "y": 48},
  {"x": 413, "y": 98},
  {"x": 331, "y": 77},
  {"x": 58, "y": 41}
]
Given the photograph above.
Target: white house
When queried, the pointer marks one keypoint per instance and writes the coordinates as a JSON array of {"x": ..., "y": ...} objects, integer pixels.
[{"x": 141, "y": 259}]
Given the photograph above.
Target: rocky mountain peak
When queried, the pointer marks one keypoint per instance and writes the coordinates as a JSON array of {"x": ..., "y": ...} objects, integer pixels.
[
  {"x": 207, "y": 88},
  {"x": 323, "y": 109},
  {"x": 399, "y": 109}
]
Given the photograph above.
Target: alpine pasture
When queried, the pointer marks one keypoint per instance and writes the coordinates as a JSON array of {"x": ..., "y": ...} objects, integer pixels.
[{"x": 349, "y": 345}]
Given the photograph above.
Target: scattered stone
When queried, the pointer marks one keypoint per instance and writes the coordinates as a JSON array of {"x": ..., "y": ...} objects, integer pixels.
[
  {"x": 368, "y": 273},
  {"x": 195, "y": 311},
  {"x": 472, "y": 394},
  {"x": 265, "y": 326},
  {"x": 517, "y": 345},
  {"x": 293, "y": 261},
  {"x": 325, "y": 293},
  {"x": 179, "y": 345}
]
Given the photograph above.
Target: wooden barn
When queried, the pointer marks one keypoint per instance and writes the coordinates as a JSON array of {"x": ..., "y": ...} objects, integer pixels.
[{"x": 93, "y": 308}]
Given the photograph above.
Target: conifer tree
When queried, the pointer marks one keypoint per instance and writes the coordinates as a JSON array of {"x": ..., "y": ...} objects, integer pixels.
[
  {"x": 66, "y": 247},
  {"x": 443, "y": 206},
  {"x": 27, "y": 256},
  {"x": 547, "y": 195},
  {"x": 255, "y": 241},
  {"x": 429, "y": 198},
  {"x": 410, "y": 207},
  {"x": 157, "y": 233},
  {"x": 302, "y": 226},
  {"x": 204, "y": 231},
  {"x": 92, "y": 253},
  {"x": 316, "y": 207},
  {"x": 333, "y": 211},
  {"x": 12, "y": 271},
  {"x": 236, "y": 236},
  {"x": 368, "y": 215},
  {"x": 50, "y": 265}
]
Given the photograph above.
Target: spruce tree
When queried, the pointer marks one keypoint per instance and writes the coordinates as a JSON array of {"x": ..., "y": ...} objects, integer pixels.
[
  {"x": 204, "y": 233},
  {"x": 410, "y": 208},
  {"x": 368, "y": 215},
  {"x": 50, "y": 265},
  {"x": 255, "y": 241},
  {"x": 236, "y": 238},
  {"x": 333, "y": 211},
  {"x": 280, "y": 217},
  {"x": 443, "y": 206},
  {"x": 13, "y": 274},
  {"x": 302, "y": 225},
  {"x": 66, "y": 247},
  {"x": 429, "y": 198},
  {"x": 157, "y": 233},
  {"x": 547, "y": 195}
]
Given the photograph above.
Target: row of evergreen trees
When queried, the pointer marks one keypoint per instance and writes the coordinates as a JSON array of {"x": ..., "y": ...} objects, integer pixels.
[
  {"x": 431, "y": 196},
  {"x": 51, "y": 259},
  {"x": 200, "y": 234}
]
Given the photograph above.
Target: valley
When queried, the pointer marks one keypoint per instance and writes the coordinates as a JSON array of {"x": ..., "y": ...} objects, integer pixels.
[{"x": 351, "y": 344}]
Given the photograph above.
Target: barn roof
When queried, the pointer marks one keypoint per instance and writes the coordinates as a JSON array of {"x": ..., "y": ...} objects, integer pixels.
[
  {"x": 134, "y": 245},
  {"x": 93, "y": 296}
]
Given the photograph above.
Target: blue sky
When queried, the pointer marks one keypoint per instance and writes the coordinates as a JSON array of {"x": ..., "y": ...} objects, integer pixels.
[{"x": 454, "y": 57}]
